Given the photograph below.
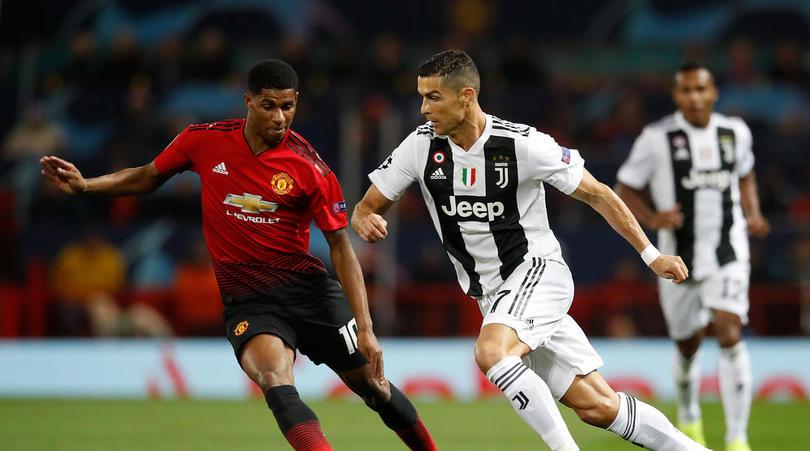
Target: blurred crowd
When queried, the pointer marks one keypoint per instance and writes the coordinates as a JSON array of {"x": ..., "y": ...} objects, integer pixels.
[{"x": 108, "y": 92}]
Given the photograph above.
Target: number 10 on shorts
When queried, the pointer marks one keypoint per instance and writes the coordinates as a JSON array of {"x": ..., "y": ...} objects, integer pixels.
[{"x": 349, "y": 333}]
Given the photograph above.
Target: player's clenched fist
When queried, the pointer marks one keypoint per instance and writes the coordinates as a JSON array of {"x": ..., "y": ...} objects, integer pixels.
[
  {"x": 670, "y": 267},
  {"x": 63, "y": 174},
  {"x": 372, "y": 228}
]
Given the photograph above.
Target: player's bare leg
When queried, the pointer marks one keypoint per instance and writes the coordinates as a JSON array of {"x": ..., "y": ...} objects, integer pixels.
[
  {"x": 597, "y": 404},
  {"x": 394, "y": 408},
  {"x": 686, "y": 372},
  {"x": 734, "y": 371},
  {"x": 498, "y": 353},
  {"x": 269, "y": 363}
]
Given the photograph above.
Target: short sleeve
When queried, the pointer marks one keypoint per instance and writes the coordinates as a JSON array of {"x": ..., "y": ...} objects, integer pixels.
[
  {"x": 327, "y": 204},
  {"x": 176, "y": 156},
  {"x": 552, "y": 163},
  {"x": 398, "y": 171},
  {"x": 636, "y": 172},
  {"x": 745, "y": 152}
]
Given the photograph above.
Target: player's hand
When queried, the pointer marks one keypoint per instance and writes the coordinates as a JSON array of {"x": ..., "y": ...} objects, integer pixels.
[
  {"x": 670, "y": 267},
  {"x": 758, "y": 226},
  {"x": 372, "y": 228},
  {"x": 63, "y": 174},
  {"x": 668, "y": 219},
  {"x": 368, "y": 345}
]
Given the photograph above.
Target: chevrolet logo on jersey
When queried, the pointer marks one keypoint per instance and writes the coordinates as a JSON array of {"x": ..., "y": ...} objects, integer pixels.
[{"x": 250, "y": 203}]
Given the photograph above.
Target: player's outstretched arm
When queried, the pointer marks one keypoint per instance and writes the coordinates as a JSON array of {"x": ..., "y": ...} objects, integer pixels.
[
  {"x": 350, "y": 276},
  {"x": 367, "y": 220},
  {"x": 602, "y": 199},
  {"x": 126, "y": 182},
  {"x": 669, "y": 219}
]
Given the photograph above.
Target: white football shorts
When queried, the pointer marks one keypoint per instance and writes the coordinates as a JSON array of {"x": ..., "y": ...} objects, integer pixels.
[
  {"x": 687, "y": 305},
  {"x": 534, "y": 301}
]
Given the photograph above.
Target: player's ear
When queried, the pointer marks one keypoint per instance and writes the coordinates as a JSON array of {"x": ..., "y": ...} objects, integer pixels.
[
  {"x": 247, "y": 100},
  {"x": 467, "y": 95}
]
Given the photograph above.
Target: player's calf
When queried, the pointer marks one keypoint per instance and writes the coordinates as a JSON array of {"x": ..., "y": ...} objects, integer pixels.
[{"x": 297, "y": 421}]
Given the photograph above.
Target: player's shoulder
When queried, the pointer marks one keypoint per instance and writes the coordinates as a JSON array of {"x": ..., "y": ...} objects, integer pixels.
[
  {"x": 306, "y": 154},
  {"x": 734, "y": 122},
  {"x": 504, "y": 127},
  {"x": 665, "y": 124},
  {"x": 219, "y": 127}
]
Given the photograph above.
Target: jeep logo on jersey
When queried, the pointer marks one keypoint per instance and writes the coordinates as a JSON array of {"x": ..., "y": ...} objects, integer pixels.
[
  {"x": 707, "y": 179},
  {"x": 250, "y": 203},
  {"x": 476, "y": 210}
]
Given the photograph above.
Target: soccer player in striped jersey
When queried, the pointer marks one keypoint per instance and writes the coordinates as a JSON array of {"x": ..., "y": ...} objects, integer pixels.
[
  {"x": 262, "y": 185},
  {"x": 699, "y": 168},
  {"x": 482, "y": 180}
]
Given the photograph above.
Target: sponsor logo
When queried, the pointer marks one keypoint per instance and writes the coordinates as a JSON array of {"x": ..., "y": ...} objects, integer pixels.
[
  {"x": 241, "y": 328},
  {"x": 438, "y": 174},
  {"x": 476, "y": 210},
  {"x": 282, "y": 183},
  {"x": 707, "y": 179},
  {"x": 337, "y": 207},
  {"x": 468, "y": 176},
  {"x": 220, "y": 169},
  {"x": 566, "y": 155},
  {"x": 253, "y": 219},
  {"x": 438, "y": 157},
  {"x": 250, "y": 203}
]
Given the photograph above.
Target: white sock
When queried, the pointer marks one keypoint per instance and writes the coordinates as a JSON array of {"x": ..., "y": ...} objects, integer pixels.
[
  {"x": 532, "y": 400},
  {"x": 645, "y": 426},
  {"x": 686, "y": 372},
  {"x": 734, "y": 368}
]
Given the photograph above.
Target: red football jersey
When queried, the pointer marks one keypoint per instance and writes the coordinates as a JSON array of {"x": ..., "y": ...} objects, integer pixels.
[{"x": 257, "y": 209}]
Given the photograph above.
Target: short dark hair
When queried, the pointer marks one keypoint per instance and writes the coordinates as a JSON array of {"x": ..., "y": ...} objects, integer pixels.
[
  {"x": 690, "y": 65},
  {"x": 272, "y": 74},
  {"x": 454, "y": 66}
]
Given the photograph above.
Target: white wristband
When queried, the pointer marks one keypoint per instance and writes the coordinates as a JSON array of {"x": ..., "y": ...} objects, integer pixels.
[{"x": 649, "y": 254}]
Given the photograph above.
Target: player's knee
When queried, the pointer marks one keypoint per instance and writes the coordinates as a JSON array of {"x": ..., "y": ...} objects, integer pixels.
[
  {"x": 599, "y": 412},
  {"x": 488, "y": 353},
  {"x": 729, "y": 337},
  {"x": 373, "y": 392},
  {"x": 269, "y": 378}
]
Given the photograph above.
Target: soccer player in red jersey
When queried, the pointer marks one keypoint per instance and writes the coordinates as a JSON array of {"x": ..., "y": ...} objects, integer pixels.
[{"x": 262, "y": 185}]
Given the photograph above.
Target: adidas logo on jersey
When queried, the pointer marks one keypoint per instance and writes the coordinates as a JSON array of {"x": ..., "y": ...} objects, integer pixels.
[
  {"x": 220, "y": 169},
  {"x": 438, "y": 174}
]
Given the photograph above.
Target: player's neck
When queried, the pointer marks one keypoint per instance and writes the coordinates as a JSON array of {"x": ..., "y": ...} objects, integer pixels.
[
  {"x": 256, "y": 142},
  {"x": 470, "y": 130}
]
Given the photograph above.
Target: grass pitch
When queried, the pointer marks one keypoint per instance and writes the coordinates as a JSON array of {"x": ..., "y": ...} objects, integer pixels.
[{"x": 180, "y": 425}]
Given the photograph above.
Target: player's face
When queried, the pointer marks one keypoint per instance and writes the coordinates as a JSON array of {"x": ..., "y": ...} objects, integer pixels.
[
  {"x": 271, "y": 112},
  {"x": 441, "y": 105},
  {"x": 695, "y": 94}
]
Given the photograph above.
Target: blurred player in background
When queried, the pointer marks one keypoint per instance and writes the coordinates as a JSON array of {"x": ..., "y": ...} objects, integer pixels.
[
  {"x": 699, "y": 168},
  {"x": 482, "y": 180},
  {"x": 262, "y": 185}
]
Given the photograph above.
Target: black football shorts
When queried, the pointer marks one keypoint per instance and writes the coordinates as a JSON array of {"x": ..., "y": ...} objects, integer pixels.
[{"x": 311, "y": 315}]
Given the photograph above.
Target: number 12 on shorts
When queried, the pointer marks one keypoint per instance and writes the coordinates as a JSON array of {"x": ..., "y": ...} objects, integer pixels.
[{"x": 349, "y": 333}]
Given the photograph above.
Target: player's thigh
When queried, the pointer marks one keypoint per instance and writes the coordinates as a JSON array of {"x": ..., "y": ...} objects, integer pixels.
[
  {"x": 532, "y": 300},
  {"x": 328, "y": 331},
  {"x": 268, "y": 361},
  {"x": 683, "y": 308},
  {"x": 727, "y": 290},
  {"x": 566, "y": 355}
]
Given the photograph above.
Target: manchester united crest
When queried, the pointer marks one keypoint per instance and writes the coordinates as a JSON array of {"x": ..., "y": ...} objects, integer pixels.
[
  {"x": 241, "y": 328},
  {"x": 282, "y": 183}
]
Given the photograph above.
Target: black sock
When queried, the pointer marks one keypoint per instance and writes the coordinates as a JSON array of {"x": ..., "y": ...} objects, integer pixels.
[
  {"x": 398, "y": 413},
  {"x": 287, "y": 407}
]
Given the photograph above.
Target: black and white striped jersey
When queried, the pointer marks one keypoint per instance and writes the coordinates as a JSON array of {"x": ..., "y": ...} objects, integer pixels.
[
  {"x": 699, "y": 168},
  {"x": 487, "y": 204}
]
